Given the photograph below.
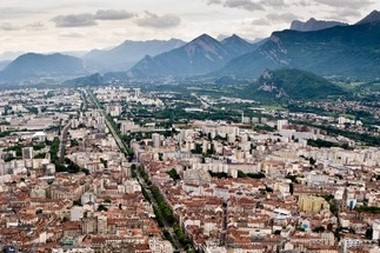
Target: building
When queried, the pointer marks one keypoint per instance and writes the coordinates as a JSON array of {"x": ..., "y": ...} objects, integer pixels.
[
  {"x": 27, "y": 153},
  {"x": 312, "y": 204},
  {"x": 281, "y": 123},
  {"x": 88, "y": 198},
  {"x": 89, "y": 224},
  {"x": 137, "y": 92},
  {"x": 160, "y": 246},
  {"x": 156, "y": 139},
  {"x": 376, "y": 230},
  {"x": 114, "y": 110},
  {"x": 76, "y": 213},
  {"x": 127, "y": 126}
]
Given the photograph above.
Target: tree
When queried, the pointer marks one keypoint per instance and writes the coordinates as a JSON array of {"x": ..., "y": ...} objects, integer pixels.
[
  {"x": 102, "y": 208},
  {"x": 77, "y": 203},
  {"x": 104, "y": 162},
  {"x": 369, "y": 233},
  {"x": 291, "y": 189},
  {"x": 173, "y": 174},
  {"x": 241, "y": 174},
  {"x": 320, "y": 229}
]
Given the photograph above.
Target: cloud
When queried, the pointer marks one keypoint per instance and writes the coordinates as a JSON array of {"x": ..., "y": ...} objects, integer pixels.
[
  {"x": 156, "y": 21},
  {"x": 344, "y": 15},
  {"x": 72, "y": 35},
  {"x": 9, "y": 27},
  {"x": 274, "y": 3},
  {"x": 350, "y": 13},
  {"x": 35, "y": 26},
  {"x": 113, "y": 14},
  {"x": 285, "y": 17},
  {"x": 243, "y": 4},
  {"x": 260, "y": 22},
  {"x": 89, "y": 19},
  {"x": 209, "y": 2},
  {"x": 17, "y": 12},
  {"x": 352, "y": 4},
  {"x": 74, "y": 20}
]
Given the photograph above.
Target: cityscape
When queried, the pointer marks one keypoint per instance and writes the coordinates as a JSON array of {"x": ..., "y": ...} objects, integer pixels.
[{"x": 208, "y": 145}]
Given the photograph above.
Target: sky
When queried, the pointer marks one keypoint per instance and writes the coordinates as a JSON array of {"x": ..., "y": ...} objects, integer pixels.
[{"x": 76, "y": 25}]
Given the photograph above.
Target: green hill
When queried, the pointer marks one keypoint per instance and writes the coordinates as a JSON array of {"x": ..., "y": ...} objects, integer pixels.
[{"x": 288, "y": 84}]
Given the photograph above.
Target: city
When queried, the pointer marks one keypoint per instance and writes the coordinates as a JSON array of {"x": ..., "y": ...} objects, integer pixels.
[
  {"x": 202, "y": 126},
  {"x": 82, "y": 172}
]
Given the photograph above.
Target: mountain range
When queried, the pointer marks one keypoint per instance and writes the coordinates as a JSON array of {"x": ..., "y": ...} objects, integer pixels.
[
  {"x": 198, "y": 57},
  {"x": 341, "y": 51},
  {"x": 127, "y": 54},
  {"x": 326, "y": 48}
]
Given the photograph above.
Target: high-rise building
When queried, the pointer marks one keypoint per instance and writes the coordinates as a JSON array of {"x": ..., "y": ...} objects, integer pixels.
[
  {"x": 156, "y": 138},
  {"x": 89, "y": 224},
  {"x": 281, "y": 123},
  {"x": 376, "y": 230},
  {"x": 27, "y": 153},
  {"x": 137, "y": 92}
]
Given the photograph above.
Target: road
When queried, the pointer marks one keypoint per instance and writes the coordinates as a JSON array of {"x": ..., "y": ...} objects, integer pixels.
[
  {"x": 164, "y": 221},
  {"x": 83, "y": 97},
  {"x": 204, "y": 103},
  {"x": 62, "y": 143},
  {"x": 114, "y": 133},
  {"x": 123, "y": 148}
]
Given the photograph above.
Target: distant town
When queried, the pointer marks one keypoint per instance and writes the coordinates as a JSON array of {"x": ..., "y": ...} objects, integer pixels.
[{"x": 134, "y": 169}]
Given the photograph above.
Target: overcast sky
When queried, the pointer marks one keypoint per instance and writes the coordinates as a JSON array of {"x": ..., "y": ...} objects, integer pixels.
[{"x": 66, "y": 25}]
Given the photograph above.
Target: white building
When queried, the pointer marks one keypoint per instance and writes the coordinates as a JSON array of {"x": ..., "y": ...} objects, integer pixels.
[
  {"x": 156, "y": 138},
  {"x": 281, "y": 123},
  {"x": 160, "y": 246},
  {"x": 376, "y": 230},
  {"x": 137, "y": 92},
  {"x": 27, "y": 153},
  {"x": 76, "y": 213}
]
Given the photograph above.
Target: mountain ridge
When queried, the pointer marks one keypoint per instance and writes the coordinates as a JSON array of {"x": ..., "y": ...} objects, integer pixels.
[
  {"x": 314, "y": 25},
  {"x": 198, "y": 57},
  {"x": 125, "y": 55},
  {"x": 342, "y": 51},
  {"x": 33, "y": 65},
  {"x": 373, "y": 17}
]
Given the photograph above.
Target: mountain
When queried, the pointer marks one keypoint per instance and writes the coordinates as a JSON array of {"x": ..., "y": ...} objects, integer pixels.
[
  {"x": 33, "y": 66},
  {"x": 124, "y": 56},
  {"x": 78, "y": 54},
  {"x": 200, "y": 56},
  {"x": 314, "y": 25},
  {"x": 370, "y": 87},
  {"x": 373, "y": 17},
  {"x": 10, "y": 56},
  {"x": 92, "y": 80},
  {"x": 238, "y": 46},
  {"x": 292, "y": 84},
  {"x": 3, "y": 64},
  {"x": 341, "y": 51}
]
